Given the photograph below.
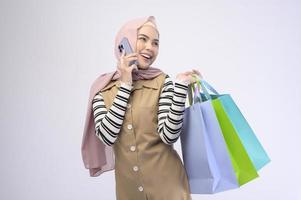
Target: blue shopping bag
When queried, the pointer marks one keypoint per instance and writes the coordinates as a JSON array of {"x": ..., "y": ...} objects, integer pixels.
[
  {"x": 248, "y": 138},
  {"x": 206, "y": 160}
]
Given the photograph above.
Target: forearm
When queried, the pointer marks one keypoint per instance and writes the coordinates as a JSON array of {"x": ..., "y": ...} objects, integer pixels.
[
  {"x": 170, "y": 122},
  {"x": 108, "y": 123}
]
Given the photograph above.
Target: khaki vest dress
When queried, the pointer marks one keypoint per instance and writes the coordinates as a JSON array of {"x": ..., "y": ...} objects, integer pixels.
[{"x": 145, "y": 167}]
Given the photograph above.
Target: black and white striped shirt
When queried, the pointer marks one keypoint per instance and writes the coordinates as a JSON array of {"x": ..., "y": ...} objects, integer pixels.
[{"x": 170, "y": 113}]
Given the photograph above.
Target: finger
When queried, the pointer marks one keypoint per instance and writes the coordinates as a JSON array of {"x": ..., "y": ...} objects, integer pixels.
[
  {"x": 194, "y": 78},
  {"x": 198, "y": 73},
  {"x": 131, "y": 59},
  {"x": 131, "y": 55},
  {"x": 134, "y": 66}
]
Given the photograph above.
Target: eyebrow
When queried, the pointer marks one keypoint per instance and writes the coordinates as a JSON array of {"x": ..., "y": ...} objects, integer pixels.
[{"x": 141, "y": 34}]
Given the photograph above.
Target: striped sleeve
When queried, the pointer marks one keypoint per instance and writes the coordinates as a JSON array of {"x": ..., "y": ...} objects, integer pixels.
[
  {"x": 108, "y": 123},
  {"x": 171, "y": 110}
]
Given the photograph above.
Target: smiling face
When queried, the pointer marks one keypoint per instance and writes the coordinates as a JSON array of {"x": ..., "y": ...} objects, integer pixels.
[{"x": 147, "y": 45}]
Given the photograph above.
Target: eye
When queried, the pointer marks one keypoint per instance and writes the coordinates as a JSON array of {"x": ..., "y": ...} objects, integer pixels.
[
  {"x": 156, "y": 43},
  {"x": 143, "y": 39}
]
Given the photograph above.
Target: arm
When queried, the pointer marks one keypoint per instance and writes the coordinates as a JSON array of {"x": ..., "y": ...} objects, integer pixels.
[
  {"x": 108, "y": 123},
  {"x": 171, "y": 110}
]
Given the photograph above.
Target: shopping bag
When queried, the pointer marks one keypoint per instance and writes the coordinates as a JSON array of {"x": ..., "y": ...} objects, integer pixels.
[
  {"x": 246, "y": 135},
  {"x": 206, "y": 160}
]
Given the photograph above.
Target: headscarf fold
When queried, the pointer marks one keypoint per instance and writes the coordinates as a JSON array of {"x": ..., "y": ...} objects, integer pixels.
[{"x": 97, "y": 156}]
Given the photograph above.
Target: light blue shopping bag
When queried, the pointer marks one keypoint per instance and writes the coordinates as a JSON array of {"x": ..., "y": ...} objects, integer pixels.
[{"x": 206, "y": 160}]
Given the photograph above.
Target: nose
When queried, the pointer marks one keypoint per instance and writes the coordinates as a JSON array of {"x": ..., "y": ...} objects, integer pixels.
[{"x": 148, "y": 45}]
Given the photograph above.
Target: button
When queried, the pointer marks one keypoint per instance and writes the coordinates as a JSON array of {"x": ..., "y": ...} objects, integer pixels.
[
  {"x": 140, "y": 188},
  {"x": 135, "y": 168},
  {"x": 133, "y": 148},
  {"x": 129, "y": 105},
  {"x": 130, "y": 126}
]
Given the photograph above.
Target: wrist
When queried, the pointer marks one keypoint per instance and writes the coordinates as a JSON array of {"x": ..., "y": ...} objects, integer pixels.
[
  {"x": 128, "y": 83},
  {"x": 183, "y": 81}
]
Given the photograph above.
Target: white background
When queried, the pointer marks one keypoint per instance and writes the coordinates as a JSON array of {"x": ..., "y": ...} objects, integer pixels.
[{"x": 51, "y": 52}]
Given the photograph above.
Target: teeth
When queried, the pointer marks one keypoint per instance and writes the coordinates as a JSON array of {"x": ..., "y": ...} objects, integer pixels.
[{"x": 146, "y": 56}]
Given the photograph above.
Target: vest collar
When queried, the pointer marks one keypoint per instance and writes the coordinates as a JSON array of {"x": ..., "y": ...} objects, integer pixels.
[
  {"x": 136, "y": 84},
  {"x": 145, "y": 83}
]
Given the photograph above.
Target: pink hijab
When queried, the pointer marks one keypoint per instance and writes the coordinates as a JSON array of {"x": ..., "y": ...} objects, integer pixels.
[{"x": 97, "y": 156}]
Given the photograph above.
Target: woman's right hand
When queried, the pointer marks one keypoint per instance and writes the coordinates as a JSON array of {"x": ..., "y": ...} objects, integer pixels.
[{"x": 125, "y": 69}]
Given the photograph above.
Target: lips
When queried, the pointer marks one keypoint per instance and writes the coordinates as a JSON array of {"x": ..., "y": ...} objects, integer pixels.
[{"x": 146, "y": 56}]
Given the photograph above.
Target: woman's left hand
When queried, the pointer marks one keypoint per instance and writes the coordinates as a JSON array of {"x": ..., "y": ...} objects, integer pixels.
[{"x": 188, "y": 76}]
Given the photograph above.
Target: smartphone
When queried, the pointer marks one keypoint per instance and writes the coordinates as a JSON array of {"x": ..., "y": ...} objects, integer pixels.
[{"x": 125, "y": 46}]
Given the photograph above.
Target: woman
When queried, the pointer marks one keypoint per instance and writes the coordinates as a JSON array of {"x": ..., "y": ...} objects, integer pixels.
[{"x": 137, "y": 115}]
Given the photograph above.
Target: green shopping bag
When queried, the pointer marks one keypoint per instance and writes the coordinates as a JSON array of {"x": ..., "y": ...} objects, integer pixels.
[
  {"x": 244, "y": 168},
  {"x": 242, "y": 164}
]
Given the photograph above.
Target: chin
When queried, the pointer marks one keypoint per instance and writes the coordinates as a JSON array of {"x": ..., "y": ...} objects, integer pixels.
[{"x": 143, "y": 67}]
